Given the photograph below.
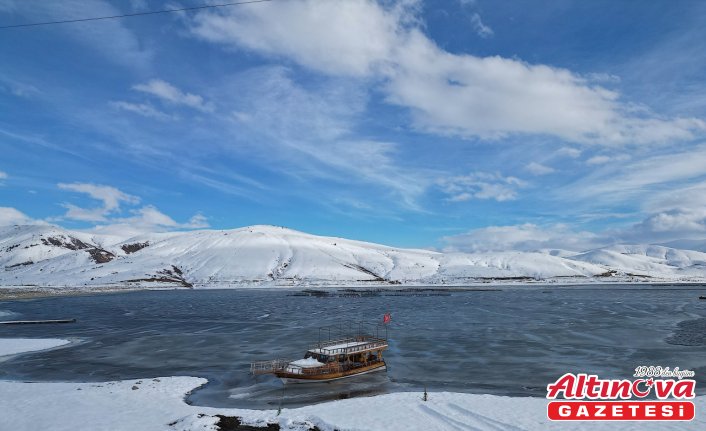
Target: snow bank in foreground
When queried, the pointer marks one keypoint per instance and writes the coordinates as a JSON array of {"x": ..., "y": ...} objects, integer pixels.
[
  {"x": 157, "y": 404},
  {"x": 13, "y": 346}
]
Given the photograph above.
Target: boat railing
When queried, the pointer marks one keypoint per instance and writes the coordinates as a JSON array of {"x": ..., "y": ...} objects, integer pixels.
[{"x": 268, "y": 367}]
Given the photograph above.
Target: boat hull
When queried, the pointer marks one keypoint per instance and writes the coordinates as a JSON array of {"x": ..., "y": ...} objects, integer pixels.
[{"x": 293, "y": 378}]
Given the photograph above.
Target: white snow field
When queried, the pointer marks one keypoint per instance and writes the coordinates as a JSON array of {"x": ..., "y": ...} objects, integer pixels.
[
  {"x": 14, "y": 346},
  {"x": 158, "y": 404},
  {"x": 269, "y": 256}
]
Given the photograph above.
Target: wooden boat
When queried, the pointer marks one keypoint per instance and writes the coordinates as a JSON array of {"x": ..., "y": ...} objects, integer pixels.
[{"x": 329, "y": 360}]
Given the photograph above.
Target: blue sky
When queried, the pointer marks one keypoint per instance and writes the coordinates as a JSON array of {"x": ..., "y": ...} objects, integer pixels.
[{"x": 460, "y": 125}]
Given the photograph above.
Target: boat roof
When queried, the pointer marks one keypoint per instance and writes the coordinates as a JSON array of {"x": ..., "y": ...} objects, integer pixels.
[{"x": 347, "y": 346}]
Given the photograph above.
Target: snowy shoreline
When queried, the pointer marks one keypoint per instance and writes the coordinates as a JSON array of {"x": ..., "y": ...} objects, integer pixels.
[
  {"x": 16, "y": 346},
  {"x": 30, "y": 292},
  {"x": 159, "y": 404}
]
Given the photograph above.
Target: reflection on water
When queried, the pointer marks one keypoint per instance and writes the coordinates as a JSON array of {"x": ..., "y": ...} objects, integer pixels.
[{"x": 511, "y": 341}]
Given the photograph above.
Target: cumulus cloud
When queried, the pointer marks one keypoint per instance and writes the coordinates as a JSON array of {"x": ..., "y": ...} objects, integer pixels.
[
  {"x": 147, "y": 219},
  {"x": 452, "y": 94},
  {"x": 198, "y": 221},
  {"x": 661, "y": 227},
  {"x": 664, "y": 226},
  {"x": 480, "y": 185},
  {"x": 681, "y": 222},
  {"x": 171, "y": 94},
  {"x": 9, "y": 216},
  {"x": 493, "y": 97},
  {"x": 110, "y": 196},
  {"x": 481, "y": 29},
  {"x": 535, "y": 168},
  {"x": 109, "y": 215},
  {"x": 524, "y": 237},
  {"x": 676, "y": 212}
]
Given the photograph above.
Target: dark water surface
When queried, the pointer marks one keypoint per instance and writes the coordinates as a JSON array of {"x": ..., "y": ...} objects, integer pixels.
[{"x": 511, "y": 341}]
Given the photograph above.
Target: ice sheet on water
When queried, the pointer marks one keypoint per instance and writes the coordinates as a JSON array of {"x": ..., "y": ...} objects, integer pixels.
[{"x": 689, "y": 333}]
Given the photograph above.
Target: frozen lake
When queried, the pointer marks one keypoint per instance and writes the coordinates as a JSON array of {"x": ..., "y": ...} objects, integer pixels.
[{"x": 511, "y": 341}]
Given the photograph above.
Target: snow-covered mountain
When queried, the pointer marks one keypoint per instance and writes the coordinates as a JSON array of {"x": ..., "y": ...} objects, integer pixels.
[{"x": 44, "y": 255}]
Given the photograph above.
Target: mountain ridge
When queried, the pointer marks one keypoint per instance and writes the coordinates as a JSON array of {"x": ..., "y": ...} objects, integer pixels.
[{"x": 263, "y": 256}]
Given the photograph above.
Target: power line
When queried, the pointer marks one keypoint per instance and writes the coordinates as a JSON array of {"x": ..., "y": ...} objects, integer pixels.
[{"x": 128, "y": 15}]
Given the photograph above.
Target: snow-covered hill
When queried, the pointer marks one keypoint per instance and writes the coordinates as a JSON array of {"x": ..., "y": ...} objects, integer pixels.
[{"x": 44, "y": 255}]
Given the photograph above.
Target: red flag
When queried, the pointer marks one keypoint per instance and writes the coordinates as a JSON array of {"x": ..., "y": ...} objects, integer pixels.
[{"x": 386, "y": 318}]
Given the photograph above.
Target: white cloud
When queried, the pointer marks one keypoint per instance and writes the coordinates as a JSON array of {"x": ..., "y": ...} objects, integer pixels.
[
  {"x": 644, "y": 178},
  {"x": 691, "y": 196},
  {"x": 171, "y": 94},
  {"x": 568, "y": 152},
  {"x": 109, "y": 38},
  {"x": 481, "y": 185},
  {"x": 678, "y": 221},
  {"x": 451, "y": 94},
  {"x": 343, "y": 37},
  {"x": 664, "y": 226},
  {"x": 150, "y": 216},
  {"x": 141, "y": 109},
  {"x": 3, "y": 175},
  {"x": 147, "y": 219},
  {"x": 523, "y": 237},
  {"x": 535, "y": 168},
  {"x": 110, "y": 196},
  {"x": 598, "y": 160},
  {"x": 9, "y": 216},
  {"x": 198, "y": 221},
  {"x": 309, "y": 132},
  {"x": 142, "y": 220},
  {"x": 603, "y": 159},
  {"x": 481, "y": 29},
  {"x": 493, "y": 97},
  {"x": 603, "y": 77},
  {"x": 17, "y": 88}
]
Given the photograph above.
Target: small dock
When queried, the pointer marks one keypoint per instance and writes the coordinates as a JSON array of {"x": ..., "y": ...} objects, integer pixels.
[{"x": 36, "y": 322}]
